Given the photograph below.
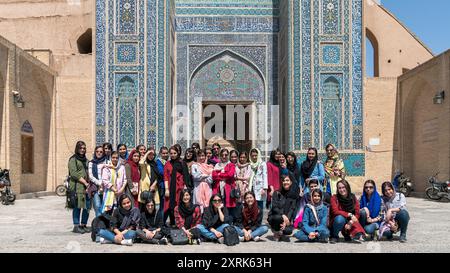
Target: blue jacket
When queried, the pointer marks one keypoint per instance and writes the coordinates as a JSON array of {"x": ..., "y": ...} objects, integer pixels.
[
  {"x": 309, "y": 223},
  {"x": 318, "y": 173}
]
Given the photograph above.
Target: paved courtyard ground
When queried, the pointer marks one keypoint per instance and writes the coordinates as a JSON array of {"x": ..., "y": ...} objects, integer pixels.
[{"x": 44, "y": 225}]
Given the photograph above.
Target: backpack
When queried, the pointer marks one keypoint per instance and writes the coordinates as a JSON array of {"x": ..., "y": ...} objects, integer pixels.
[
  {"x": 100, "y": 222},
  {"x": 230, "y": 236}
]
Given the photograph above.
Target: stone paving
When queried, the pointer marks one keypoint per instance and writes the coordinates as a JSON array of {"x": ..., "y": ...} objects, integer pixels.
[{"x": 44, "y": 225}]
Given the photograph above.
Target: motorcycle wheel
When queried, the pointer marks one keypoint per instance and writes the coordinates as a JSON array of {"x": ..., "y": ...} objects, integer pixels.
[
  {"x": 61, "y": 190},
  {"x": 405, "y": 190},
  {"x": 11, "y": 198},
  {"x": 432, "y": 194}
]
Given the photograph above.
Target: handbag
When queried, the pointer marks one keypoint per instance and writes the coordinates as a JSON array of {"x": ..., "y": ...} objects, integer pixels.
[
  {"x": 71, "y": 197},
  {"x": 92, "y": 189},
  {"x": 178, "y": 237},
  {"x": 235, "y": 193}
]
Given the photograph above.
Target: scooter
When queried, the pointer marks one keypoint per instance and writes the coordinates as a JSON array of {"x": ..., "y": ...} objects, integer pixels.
[
  {"x": 7, "y": 196},
  {"x": 402, "y": 183},
  {"x": 61, "y": 190},
  {"x": 438, "y": 190}
]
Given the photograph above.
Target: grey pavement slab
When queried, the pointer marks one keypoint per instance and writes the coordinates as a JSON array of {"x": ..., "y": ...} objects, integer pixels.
[{"x": 44, "y": 225}]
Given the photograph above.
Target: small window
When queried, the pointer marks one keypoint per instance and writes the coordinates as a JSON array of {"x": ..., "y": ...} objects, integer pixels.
[
  {"x": 27, "y": 154},
  {"x": 84, "y": 42}
]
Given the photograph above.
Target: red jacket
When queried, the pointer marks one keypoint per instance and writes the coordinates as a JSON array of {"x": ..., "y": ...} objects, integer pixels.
[
  {"x": 336, "y": 210},
  {"x": 228, "y": 177},
  {"x": 196, "y": 218}
]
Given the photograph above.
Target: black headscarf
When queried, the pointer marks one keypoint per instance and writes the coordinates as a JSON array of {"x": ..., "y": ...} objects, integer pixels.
[
  {"x": 293, "y": 192},
  {"x": 273, "y": 159},
  {"x": 309, "y": 165},
  {"x": 293, "y": 168},
  {"x": 194, "y": 156},
  {"x": 186, "y": 212},
  {"x": 95, "y": 161},
  {"x": 130, "y": 217},
  {"x": 178, "y": 166},
  {"x": 80, "y": 157},
  {"x": 347, "y": 203},
  {"x": 154, "y": 175}
]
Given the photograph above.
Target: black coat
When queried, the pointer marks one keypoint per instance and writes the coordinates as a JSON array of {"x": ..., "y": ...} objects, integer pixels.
[
  {"x": 211, "y": 218},
  {"x": 117, "y": 219},
  {"x": 283, "y": 206},
  {"x": 151, "y": 222}
]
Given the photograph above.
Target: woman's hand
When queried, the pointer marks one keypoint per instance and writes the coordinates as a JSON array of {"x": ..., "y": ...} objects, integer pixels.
[
  {"x": 348, "y": 226},
  {"x": 188, "y": 234},
  {"x": 354, "y": 219},
  {"x": 247, "y": 235},
  {"x": 149, "y": 234},
  {"x": 218, "y": 234},
  {"x": 167, "y": 194},
  {"x": 312, "y": 235},
  {"x": 118, "y": 238}
]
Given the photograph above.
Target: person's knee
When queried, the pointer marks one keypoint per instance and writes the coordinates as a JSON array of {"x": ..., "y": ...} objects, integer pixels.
[
  {"x": 403, "y": 215},
  {"x": 339, "y": 220},
  {"x": 264, "y": 229}
]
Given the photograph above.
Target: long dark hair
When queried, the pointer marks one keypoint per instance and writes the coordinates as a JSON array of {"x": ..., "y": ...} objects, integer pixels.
[{"x": 78, "y": 146}]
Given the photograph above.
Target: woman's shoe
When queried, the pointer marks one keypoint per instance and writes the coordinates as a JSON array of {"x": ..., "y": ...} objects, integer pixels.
[{"x": 78, "y": 229}]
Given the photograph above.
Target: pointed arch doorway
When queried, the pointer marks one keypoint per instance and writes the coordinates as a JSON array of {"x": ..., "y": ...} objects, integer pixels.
[{"x": 225, "y": 93}]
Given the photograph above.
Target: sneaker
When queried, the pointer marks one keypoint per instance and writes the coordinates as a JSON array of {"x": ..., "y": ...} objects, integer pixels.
[
  {"x": 403, "y": 239},
  {"x": 163, "y": 241},
  {"x": 323, "y": 240},
  {"x": 257, "y": 239},
  {"x": 104, "y": 241},
  {"x": 241, "y": 239},
  {"x": 127, "y": 242},
  {"x": 199, "y": 241},
  {"x": 78, "y": 229},
  {"x": 333, "y": 240},
  {"x": 220, "y": 240}
]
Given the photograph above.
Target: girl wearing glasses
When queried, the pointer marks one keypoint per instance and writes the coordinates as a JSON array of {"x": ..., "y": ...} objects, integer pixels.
[
  {"x": 370, "y": 204},
  {"x": 215, "y": 220}
]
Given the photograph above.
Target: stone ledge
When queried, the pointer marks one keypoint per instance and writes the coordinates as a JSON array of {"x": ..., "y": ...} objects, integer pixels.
[{"x": 32, "y": 195}]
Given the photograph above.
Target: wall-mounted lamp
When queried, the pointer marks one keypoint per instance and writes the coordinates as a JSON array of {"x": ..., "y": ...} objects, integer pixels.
[
  {"x": 18, "y": 100},
  {"x": 439, "y": 98}
]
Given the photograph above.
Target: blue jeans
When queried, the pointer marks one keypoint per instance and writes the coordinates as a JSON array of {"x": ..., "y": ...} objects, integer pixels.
[
  {"x": 259, "y": 231},
  {"x": 206, "y": 232},
  {"x": 109, "y": 235},
  {"x": 303, "y": 236},
  {"x": 261, "y": 205},
  {"x": 369, "y": 228},
  {"x": 84, "y": 213},
  {"x": 338, "y": 224},
  {"x": 402, "y": 218},
  {"x": 97, "y": 204}
]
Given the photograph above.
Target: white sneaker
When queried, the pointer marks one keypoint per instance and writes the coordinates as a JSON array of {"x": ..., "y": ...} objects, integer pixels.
[
  {"x": 241, "y": 239},
  {"x": 128, "y": 242},
  {"x": 104, "y": 241},
  {"x": 257, "y": 239},
  {"x": 220, "y": 240}
]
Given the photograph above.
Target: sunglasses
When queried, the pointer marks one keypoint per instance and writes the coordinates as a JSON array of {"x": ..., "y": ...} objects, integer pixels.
[{"x": 217, "y": 201}]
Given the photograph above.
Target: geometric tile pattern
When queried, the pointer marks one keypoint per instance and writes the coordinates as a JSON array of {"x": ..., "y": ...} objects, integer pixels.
[{"x": 324, "y": 86}]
